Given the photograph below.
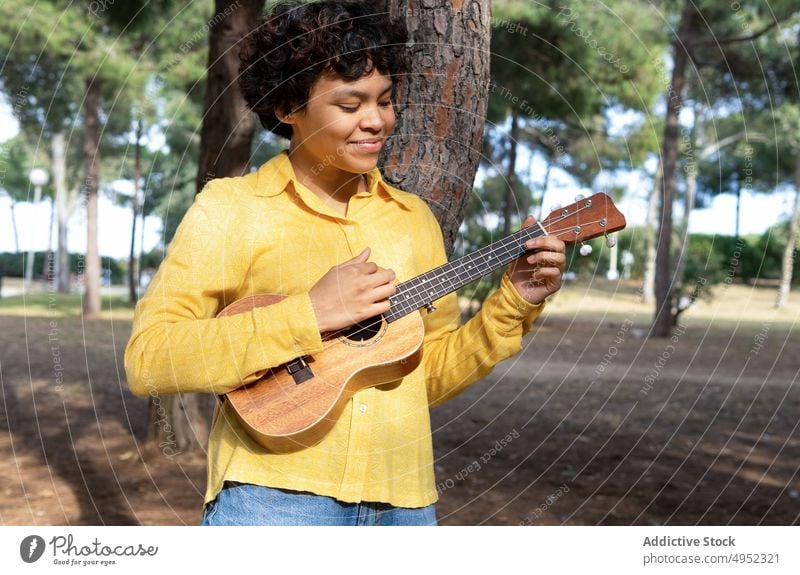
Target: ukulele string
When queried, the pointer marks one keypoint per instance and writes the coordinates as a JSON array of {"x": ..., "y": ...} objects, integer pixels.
[{"x": 329, "y": 336}]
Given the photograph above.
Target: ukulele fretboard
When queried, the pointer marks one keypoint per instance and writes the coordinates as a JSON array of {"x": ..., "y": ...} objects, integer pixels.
[{"x": 424, "y": 289}]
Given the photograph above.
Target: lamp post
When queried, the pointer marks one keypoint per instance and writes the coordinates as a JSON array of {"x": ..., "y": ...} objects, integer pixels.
[{"x": 38, "y": 178}]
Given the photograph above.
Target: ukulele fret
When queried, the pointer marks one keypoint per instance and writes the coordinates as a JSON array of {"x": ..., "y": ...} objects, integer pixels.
[{"x": 426, "y": 288}]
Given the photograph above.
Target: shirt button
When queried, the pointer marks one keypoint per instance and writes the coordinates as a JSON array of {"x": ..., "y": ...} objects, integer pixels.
[
  {"x": 362, "y": 408},
  {"x": 295, "y": 346}
]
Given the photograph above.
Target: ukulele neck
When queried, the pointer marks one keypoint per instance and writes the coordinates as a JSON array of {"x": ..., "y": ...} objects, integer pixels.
[{"x": 426, "y": 288}]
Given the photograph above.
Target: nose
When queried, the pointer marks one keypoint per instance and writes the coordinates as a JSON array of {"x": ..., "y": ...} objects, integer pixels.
[{"x": 372, "y": 118}]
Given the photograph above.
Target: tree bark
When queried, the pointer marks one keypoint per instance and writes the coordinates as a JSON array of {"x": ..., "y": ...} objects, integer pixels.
[
  {"x": 787, "y": 267},
  {"x": 59, "y": 156},
  {"x": 662, "y": 323},
  {"x": 141, "y": 241},
  {"x": 49, "y": 265},
  {"x": 91, "y": 150},
  {"x": 693, "y": 157},
  {"x": 13, "y": 209},
  {"x": 228, "y": 125},
  {"x": 182, "y": 422},
  {"x": 436, "y": 146},
  {"x": 137, "y": 178},
  {"x": 649, "y": 280},
  {"x": 511, "y": 174}
]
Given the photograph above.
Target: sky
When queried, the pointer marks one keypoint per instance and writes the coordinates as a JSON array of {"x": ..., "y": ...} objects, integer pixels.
[{"x": 758, "y": 211}]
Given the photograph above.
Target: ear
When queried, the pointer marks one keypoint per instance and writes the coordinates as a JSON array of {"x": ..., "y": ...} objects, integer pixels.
[{"x": 284, "y": 117}]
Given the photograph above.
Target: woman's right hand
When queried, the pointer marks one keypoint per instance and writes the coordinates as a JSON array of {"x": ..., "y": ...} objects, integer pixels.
[{"x": 351, "y": 292}]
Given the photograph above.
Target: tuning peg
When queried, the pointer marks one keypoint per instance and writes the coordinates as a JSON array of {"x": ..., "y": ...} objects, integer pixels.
[
  {"x": 555, "y": 207},
  {"x": 585, "y": 250},
  {"x": 579, "y": 197},
  {"x": 611, "y": 241}
]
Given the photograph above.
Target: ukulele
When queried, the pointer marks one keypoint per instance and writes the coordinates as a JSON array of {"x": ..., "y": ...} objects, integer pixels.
[{"x": 295, "y": 404}]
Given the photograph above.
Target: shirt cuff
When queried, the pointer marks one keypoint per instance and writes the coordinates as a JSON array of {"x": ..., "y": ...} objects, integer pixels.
[
  {"x": 516, "y": 308},
  {"x": 295, "y": 315}
]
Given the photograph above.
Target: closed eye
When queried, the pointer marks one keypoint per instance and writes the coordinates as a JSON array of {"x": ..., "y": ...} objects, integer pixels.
[{"x": 353, "y": 109}]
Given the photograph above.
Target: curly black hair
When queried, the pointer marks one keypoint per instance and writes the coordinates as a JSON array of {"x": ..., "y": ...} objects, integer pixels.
[{"x": 296, "y": 42}]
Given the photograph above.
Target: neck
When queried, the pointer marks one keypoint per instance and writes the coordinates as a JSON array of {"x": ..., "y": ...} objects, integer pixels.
[{"x": 327, "y": 182}]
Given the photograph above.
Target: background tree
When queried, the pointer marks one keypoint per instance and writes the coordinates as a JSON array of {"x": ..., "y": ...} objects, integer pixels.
[
  {"x": 17, "y": 165},
  {"x": 66, "y": 77},
  {"x": 226, "y": 136},
  {"x": 35, "y": 53},
  {"x": 228, "y": 126},
  {"x": 709, "y": 36},
  {"x": 569, "y": 74}
]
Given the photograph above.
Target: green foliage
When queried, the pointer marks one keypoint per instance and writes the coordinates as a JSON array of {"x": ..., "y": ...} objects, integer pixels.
[
  {"x": 474, "y": 236},
  {"x": 570, "y": 61},
  {"x": 152, "y": 259},
  {"x": 490, "y": 198},
  {"x": 563, "y": 70},
  {"x": 17, "y": 158},
  {"x": 481, "y": 227},
  {"x": 13, "y": 265},
  {"x": 630, "y": 239},
  {"x": 714, "y": 258},
  {"x": 70, "y": 44},
  {"x": 767, "y": 255}
]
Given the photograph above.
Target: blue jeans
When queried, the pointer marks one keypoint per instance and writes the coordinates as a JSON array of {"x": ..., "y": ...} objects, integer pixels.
[{"x": 246, "y": 504}]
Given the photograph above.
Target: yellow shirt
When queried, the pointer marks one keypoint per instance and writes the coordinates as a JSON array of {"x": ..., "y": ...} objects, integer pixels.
[{"x": 267, "y": 233}]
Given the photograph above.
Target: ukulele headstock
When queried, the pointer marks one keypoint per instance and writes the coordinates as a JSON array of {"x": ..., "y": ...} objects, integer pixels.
[{"x": 585, "y": 219}]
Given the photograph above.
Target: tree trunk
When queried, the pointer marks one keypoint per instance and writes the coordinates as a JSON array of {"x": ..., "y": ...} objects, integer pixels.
[
  {"x": 141, "y": 240},
  {"x": 662, "y": 323},
  {"x": 182, "y": 422},
  {"x": 228, "y": 125},
  {"x": 787, "y": 268},
  {"x": 59, "y": 156},
  {"x": 545, "y": 185},
  {"x": 48, "y": 267},
  {"x": 511, "y": 174},
  {"x": 29, "y": 260},
  {"x": 13, "y": 207},
  {"x": 137, "y": 178},
  {"x": 738, "y": 210},
  {"x": 527, "y": 198},
  {"x": 91, "y": 150},
  {"x": 649, "y": 280},
  {"x": 688, "y": 206},
  {"x": 436, "y": 147}
]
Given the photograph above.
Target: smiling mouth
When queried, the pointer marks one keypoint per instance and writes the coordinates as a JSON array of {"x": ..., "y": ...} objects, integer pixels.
[{"x": 368, "y": 144}]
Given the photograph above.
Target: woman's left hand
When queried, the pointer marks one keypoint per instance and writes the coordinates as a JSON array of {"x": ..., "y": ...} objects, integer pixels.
[{"x": 537, "y": 275}]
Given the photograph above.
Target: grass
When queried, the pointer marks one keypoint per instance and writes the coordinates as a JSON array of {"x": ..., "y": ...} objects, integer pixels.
[
  {"x": 731, "y": 306},
  {"x": 63, "y": 305}
]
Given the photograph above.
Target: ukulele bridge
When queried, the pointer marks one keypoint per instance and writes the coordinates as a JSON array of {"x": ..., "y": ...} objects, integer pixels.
[{"x": 299, "y": 370}]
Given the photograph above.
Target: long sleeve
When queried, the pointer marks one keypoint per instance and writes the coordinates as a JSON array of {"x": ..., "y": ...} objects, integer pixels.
[
  {"x": 457, "y": 356},
  {"x": 178, "y": 345}
]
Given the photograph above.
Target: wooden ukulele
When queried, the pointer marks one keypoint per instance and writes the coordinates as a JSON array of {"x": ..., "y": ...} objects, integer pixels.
[{"x": 297, "y": 403}]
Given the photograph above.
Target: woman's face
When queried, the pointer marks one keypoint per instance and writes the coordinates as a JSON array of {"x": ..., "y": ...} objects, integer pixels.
[{"x": 345, "y": 124}]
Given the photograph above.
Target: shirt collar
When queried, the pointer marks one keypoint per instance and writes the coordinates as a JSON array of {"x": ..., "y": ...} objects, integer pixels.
[{"x": 276, "y": 174}]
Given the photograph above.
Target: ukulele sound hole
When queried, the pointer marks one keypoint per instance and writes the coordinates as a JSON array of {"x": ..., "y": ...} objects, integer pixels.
[{"x": 365, "y": 330}]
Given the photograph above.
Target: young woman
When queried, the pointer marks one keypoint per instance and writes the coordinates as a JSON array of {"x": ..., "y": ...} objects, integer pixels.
[{"x": 318, "y": 224}]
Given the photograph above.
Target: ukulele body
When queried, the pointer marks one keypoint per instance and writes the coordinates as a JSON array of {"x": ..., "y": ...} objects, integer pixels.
[{"x": 295, "y": 404}]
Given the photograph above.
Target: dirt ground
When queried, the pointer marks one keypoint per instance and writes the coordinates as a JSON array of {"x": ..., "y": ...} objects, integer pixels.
[{"x": 592, "y": 423}]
